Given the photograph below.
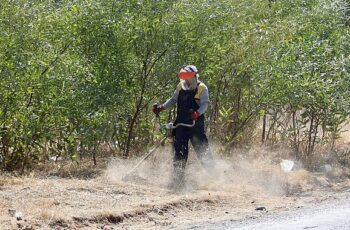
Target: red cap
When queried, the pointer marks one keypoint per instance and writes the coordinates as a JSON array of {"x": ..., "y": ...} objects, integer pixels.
[{"x": 184, "y": 75}]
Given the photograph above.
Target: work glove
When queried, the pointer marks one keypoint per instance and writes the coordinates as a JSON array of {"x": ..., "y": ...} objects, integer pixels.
[
  {"x": 157, "y": 109},
  {"x": 195, "y": 115}
]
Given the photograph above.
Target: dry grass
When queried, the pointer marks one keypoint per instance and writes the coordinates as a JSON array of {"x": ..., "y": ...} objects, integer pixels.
[
  {"x": 7, "y": 180},
  {"x": 83, "y": 197},
  {"x": 90, "y": 204},
  {"x": 83, "y": 169},
  {"x": 68, "y": 195},
  {"x": 49, "y": 211}
]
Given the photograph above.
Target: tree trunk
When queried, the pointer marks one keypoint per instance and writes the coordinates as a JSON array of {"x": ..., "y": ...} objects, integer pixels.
[
  {"x": 308, "y": 152},
  {"x": 295, "y": 134},
  {"x": 263, "y": 137},
  {"x": 146, "y": 71},
  {"x": 94, "y": 155}
]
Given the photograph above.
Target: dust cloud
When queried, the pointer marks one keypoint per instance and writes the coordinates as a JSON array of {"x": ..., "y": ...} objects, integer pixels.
[{"x": 254, "y": 170}]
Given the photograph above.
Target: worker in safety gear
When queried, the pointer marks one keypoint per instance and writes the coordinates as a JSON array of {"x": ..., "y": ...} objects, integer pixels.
[{"x": 192, "y": 98}]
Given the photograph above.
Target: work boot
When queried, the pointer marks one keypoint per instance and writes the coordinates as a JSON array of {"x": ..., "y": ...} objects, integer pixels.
[{"x": 177, "y": 182}]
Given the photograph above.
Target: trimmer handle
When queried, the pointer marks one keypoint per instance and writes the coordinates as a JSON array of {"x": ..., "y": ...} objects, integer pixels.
[
  {"x": 155, "y": 105},
  {"x": 155, "y": 108}
]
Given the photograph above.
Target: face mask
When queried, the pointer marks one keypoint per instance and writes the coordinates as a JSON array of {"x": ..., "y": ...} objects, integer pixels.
[{"x": 189, "y": 84}]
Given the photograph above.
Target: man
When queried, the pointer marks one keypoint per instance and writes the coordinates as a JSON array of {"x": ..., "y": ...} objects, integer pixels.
[{"x": 192, "y": 98}]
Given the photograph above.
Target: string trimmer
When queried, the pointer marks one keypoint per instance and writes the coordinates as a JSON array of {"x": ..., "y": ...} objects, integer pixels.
[{"x": 166, "y": 130}]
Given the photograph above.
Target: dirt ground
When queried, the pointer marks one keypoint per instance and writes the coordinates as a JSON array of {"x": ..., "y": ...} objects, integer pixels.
[{"x": 238, "y": 190}]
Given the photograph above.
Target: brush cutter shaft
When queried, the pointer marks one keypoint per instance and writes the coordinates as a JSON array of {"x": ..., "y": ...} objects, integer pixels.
[
  {"x": 146, "y": 156},
  {"x": 168, "y": 126}
]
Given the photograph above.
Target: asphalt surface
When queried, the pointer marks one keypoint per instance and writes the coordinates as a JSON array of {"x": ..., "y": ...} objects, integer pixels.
[{"x": 333, "y": 215}]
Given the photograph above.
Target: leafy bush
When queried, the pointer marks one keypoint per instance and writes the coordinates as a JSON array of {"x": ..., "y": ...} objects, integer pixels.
[{"x": 77, "y": 76}]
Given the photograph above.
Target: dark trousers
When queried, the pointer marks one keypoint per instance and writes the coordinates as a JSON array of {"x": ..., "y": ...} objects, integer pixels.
[{"x": 200, "y": 144}]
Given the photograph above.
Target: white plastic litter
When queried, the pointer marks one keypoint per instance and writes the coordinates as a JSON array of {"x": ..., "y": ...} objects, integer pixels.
[
  {"x": 19, "y": 215},
  {"x": 55, "y": 158},
  {"x": 327, "y": 168},
  {"x": 287, "y": 165}
]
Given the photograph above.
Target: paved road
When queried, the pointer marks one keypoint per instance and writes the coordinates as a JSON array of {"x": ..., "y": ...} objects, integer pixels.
[{"x": 334, "y": 215}]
